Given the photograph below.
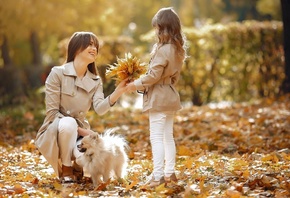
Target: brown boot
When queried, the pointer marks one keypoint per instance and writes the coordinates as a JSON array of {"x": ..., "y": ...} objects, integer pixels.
[
  {"x": 78, "y": 171},
  {"x": 67, "y": 174}
]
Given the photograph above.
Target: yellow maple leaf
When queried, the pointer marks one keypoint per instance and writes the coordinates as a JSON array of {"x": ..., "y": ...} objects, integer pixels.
[
  {"x": 184, "y": 151},
  {"x": 57, "y": 186}
]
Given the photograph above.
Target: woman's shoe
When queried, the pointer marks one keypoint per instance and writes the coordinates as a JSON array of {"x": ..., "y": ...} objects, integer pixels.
[
  {"x": 78, "y": 171},
  {"x": 68, "y": 179},
  {"x": 67, "y": 175}
]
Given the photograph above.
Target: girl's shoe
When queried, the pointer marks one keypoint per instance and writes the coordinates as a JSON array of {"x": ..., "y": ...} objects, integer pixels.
[
  {"x": 171, "y": 178},
  {"x": 151, "y": 182}
]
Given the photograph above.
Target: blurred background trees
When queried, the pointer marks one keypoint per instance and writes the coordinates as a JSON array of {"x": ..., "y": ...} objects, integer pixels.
[
  {"x": 285, "y": 87},
  {"x": 235, "y": 47}
]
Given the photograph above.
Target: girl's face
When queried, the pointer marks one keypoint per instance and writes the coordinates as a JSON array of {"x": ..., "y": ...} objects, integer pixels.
[{"x": 90, "y": 53}]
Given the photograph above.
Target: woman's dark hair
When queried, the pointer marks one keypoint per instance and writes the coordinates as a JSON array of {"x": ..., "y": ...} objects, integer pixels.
[
  {"x": 169, "y": 29},
  {"x": 80, "y": 41}
]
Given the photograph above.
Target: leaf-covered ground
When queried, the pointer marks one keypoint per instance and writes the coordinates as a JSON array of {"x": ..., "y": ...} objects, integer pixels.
[{"x": 237, "y": 150}]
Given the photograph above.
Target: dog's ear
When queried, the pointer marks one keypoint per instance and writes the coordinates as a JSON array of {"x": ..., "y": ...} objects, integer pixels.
[{"x": 94, "y": 136}]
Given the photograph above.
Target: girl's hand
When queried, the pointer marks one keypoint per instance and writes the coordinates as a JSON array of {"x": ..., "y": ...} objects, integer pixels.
[{"x": 131, "y": 87}]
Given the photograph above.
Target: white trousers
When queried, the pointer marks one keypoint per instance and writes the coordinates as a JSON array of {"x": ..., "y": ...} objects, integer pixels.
[
  {"x": 162, "y": 143},
  {"x": 67, "y": 140}
]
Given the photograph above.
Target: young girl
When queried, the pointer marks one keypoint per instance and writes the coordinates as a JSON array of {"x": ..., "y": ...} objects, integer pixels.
[
  {"x": 70, "y": 91},
  {"x": 160, "y": 97}
]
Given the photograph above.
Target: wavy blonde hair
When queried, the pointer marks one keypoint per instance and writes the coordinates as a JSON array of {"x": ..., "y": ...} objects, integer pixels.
[{"x": 169, "y": 30}]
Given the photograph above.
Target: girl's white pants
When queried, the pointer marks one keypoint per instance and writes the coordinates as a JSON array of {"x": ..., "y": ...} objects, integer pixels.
[{"x": 162, "y": 143}]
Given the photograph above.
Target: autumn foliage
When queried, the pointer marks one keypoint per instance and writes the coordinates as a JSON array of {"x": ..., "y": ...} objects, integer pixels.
[
  {"x": 236, "y": 61},
  {"x": 223, "y": 150},
  {"x": 129, "y": 67}
]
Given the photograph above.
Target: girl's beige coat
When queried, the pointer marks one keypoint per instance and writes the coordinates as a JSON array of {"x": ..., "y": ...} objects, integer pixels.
[
  {"x": 67, "y": 95},
  {"x": 158, "y": 84}
]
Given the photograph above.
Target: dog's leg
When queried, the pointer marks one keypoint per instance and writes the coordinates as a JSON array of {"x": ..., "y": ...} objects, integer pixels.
[
  {"x": 99, "y": 180},
  {"x": 106, "y": 177},
  {"x": 120, "y": 168},
  {"x": 107, "y": 172},
  {"x": 96, "y": 178}
]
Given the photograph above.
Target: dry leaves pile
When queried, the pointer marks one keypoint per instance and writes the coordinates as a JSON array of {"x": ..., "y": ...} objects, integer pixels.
[
  {"x": 129, "y": 68},
  {"x": 239, "y": 150}
]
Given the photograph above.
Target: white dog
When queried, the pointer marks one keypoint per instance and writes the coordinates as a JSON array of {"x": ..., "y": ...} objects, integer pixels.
[{"x": 104, "y": 156}]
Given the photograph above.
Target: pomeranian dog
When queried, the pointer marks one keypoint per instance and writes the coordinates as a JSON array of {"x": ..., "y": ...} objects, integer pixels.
[{"x": 104, "y": 156}]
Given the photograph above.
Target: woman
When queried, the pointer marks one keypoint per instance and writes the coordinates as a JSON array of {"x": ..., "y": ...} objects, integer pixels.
[
  {"x": 160, "y": 97},
  {"x": 71, "y": 89}
]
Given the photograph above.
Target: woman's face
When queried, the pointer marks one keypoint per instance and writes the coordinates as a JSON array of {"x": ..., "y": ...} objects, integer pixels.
[{"x": 90, "y": 53}]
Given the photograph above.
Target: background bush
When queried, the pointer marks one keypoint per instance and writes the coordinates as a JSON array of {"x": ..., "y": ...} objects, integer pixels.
[{"x": 233, "y": 62}]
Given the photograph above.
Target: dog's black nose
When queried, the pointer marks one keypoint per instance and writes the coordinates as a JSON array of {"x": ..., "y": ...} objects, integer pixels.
[{"x": 81, "y": 149}]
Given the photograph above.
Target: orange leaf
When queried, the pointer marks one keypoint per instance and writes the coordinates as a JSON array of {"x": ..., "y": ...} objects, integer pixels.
[
  {"x": 184, "y": 151},
  {"x": 130, "y": 186}
]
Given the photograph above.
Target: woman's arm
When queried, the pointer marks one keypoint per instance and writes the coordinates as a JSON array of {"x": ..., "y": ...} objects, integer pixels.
[
  {"x": 120, "y": 89},
  {"x": 52, "y": 95},
  {"x": 102, "y": 105}
]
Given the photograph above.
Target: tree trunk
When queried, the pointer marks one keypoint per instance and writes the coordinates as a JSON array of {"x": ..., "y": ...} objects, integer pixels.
[
  {"x": 34, "y": 41},
  {"x": 5, "y": 52},
  {"x": 34, "y": 72},
  {"x": 11, "y": 86},
  {"x": 285, "y": 4}
]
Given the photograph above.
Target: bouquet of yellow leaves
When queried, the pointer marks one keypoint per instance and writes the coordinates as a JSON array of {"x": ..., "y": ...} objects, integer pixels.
[{"x": 129, "y": 67}]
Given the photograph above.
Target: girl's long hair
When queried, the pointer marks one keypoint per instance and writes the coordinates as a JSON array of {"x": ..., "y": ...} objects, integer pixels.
[
  {"x": 169, "y": 30},
  {"x": 80, "y": 41}
]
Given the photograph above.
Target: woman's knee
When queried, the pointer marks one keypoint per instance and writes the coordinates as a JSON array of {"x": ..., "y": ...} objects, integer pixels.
[{"x": 67, "y": 125}]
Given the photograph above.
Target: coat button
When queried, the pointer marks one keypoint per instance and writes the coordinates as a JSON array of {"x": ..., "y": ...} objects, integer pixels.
[{"x": 68, "y": 112}]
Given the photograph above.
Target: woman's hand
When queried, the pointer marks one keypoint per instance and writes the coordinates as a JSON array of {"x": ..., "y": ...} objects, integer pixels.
[
  {"x": 84, "y": 132},
  {"x": 120, "y": 89}
]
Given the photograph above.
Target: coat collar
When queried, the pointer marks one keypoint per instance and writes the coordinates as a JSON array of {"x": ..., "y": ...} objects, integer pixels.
[
  {"x": 87, "y": 82},
  {"x": 69, "y": 69}
]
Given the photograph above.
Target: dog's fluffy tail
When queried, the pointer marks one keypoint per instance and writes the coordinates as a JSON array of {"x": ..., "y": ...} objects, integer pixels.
[{"x": 110, "y": 135}]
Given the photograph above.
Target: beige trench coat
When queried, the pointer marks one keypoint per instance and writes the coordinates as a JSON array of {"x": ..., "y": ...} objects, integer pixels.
[
  {"x": 158, "y": 84},
  {"x": 67, "y": 95}
]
